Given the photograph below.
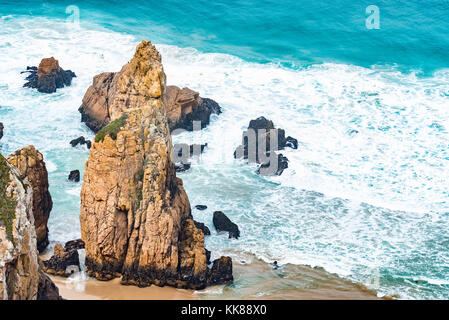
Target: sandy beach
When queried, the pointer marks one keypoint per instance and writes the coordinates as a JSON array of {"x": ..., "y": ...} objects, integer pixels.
[{"x": 254, "y": 280}]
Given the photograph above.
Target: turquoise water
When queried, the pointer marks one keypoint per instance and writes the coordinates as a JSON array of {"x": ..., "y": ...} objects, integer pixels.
[{"x": 372, "y": 207}]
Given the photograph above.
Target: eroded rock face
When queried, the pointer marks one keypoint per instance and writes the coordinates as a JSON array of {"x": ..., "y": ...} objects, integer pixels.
[
  {"x": 185, "y": 106},
  {"x": 109, "y": 97},
  {"x": 30, "y": 163},
  {"x": 21, "y": 277},
  {"x": 49, "y": 76},
  {"x": 135, "y": 215}
]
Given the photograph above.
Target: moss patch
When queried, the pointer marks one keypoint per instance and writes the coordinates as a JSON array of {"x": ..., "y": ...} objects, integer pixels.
[
  {"x": 111, "y": 129},
  {"x": 7, "y": 205}
]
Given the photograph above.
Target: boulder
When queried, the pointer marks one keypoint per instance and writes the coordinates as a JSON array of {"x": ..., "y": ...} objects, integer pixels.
[
  {"x": 63, "y": 262},
  {"x": 31, "y": 165},
  {"x": 135, "y": 215},
  {"x": 20, "y": 275},
  {"x": 74, "y": 176},
  {"x": 49, "y": 76},
  {"x": 223, "y": 223},
  {"x": 221, "y": 272},
  {"x": 200, "y": 207}
]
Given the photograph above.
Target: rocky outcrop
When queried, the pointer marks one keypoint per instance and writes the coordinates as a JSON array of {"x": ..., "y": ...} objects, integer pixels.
[
  {"x": 64, "y": 262},
  {"x": 184, "y": 106},
  {"x": 223, "y": 223},
  {"x": 203, "y": 228},
  {"x": 1, "y": 130},
  {"x": 31, "y": 165},
  {"x": 107, "y": 99},
  {"x": 135, "y": 215},
  {"x": 74, "y": 245},
  {"x": 21, "y": 277},
  {"x": 260, "y": 142},
  {"x": 49, "y": 76}
]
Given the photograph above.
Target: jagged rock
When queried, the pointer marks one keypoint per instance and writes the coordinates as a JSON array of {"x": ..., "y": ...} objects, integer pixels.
[
  {"x": 1, "y": 130},
  {"x": 273, "y": 167},
  {"x": 81, "y": 141},
  {"x": 208, "y": 253},
  {"x": 221, "y": 271},
  {"x": 185, "y": 106},
  {"x": 260, "y": 142},
  {"x": 74, "y": 176},
  {"x": 107, "y": 99},
  {"x": 31, "y": 165},
  {"x": 291, "y": 142},
  {"x": 200, "y": 207},
  {"x": 20, "y": 274},
  {"x": 181, "y": 167},
  {"x": 74, "y": 245},
  {"x": 203, "y": 228},
  {"x": 193, "y": 149},
  {"x": 63, "y": 262},
  {"x": 135, "y": 215},
  {"x": 223, "y": 223},
  {"x": 49, "y": 76}
]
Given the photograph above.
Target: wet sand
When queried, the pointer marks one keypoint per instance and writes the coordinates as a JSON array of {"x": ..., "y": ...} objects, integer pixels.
[{"x": 254, "y": 280}]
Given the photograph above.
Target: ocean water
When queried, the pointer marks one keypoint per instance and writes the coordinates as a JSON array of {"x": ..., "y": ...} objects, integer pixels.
[{"x": 365, "y": 195}]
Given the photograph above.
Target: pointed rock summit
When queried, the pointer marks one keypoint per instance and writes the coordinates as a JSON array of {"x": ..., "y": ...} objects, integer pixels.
[{"x": 135, "y": 216}]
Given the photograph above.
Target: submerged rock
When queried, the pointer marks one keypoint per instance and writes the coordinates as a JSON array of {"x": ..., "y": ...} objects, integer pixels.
[
  {"x": 135, "y": 215},
  {"x": 31, "y": 165},
  {"x": 81, "y": 141},
  {"x": 74, "y": 176},
  {"x": 200, "y": 207},
  {"x": 63, "y": 262},
  {"x": 20, "y": 273},
  {"x": 181, "y": 167},
  {"x": 49, "y": 76},
  {"x": 223, "y": 223}
]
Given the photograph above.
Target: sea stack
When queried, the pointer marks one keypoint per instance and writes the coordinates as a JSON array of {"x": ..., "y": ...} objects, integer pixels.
[
  {"x": 21, "y": 275},
  {"x": 135, "y": 216},
  {"x": 30, "y": 163},
  {"x": 49, "y": 76}
]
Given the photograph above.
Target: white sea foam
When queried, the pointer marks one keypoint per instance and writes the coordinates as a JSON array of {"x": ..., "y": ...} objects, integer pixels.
[{"x": 365, "y": 191}]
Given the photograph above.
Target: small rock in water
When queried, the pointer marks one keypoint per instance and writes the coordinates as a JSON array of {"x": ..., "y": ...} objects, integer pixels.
[
  {"x": 49, "y": 76},
  {"x": 201, "y": 207},
  {"x": 1, "y": 130},
  {"x": 223, "y": 223},
  {"x": 291, "y": 142},
  {"x": 80, "y": 141},
  {"x": 74, "y": 176}
]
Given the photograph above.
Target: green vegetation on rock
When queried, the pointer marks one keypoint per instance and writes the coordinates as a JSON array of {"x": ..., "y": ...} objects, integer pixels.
[
  {"x": 111, "y": 129},
  {"x": 7, "y": 205}
]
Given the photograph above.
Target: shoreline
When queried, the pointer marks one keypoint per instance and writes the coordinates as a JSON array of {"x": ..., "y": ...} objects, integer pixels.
[{"x": 252, "y": 281}]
